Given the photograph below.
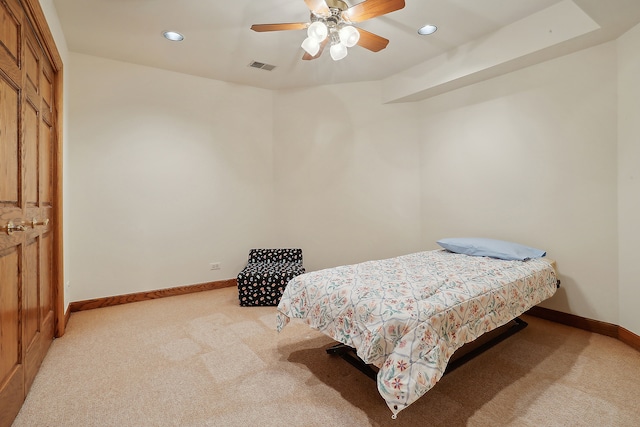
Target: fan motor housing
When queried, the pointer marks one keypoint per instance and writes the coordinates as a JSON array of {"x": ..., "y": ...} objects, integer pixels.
[
  {"x": 337, "y": 4},
  {"x": 336, "y": 7}
]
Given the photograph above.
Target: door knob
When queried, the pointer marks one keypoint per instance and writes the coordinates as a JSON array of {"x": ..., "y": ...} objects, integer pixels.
[{"x": 11, "y": 227}]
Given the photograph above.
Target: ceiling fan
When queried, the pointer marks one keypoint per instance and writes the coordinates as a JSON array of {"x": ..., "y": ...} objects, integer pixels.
[{"x": 331, "y": 22}]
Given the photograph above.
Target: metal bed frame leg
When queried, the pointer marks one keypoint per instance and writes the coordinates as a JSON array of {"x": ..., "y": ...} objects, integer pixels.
[{"x": 349, "y": 353}]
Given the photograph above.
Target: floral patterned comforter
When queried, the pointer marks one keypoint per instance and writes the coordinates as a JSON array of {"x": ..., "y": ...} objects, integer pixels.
[{"x": 407, "y": 315}]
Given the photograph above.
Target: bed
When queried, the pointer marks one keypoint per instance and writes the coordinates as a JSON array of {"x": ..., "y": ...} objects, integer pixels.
[{"x": 408, "y": 315}]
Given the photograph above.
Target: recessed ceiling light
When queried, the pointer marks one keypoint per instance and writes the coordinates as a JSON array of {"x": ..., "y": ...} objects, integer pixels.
[
  {"x": 173, "y": 36},
  {"x": 427, "y": 29}
]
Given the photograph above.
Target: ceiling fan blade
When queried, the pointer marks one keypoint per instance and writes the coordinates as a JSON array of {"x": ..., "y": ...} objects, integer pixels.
[
  {"x": 319, "y": 7},
  {"x": 279, "y": 27},
  {"x": 371, "y": 8},
  {"x": 308, "y": 57},
  {"x": 371, "y": 41}
]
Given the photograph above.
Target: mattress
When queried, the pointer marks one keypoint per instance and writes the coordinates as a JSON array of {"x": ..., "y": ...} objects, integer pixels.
[{"x": 408, "y": 315}]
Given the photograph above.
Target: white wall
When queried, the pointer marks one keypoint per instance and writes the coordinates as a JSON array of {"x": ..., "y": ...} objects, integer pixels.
[
  {"x": 346, "y": 174},
  {"x": 531, "y": 157},
  {"x": 167, "y": 173},
  {"x": 629, "y": 178}
]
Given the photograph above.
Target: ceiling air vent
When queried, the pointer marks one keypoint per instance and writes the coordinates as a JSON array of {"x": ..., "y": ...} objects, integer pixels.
[{"x": 261, "y": 65}]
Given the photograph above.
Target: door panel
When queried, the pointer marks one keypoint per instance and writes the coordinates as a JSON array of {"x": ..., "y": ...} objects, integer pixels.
[
  {"x": 46, "y": 165},
  {"x": 46, "y": 264},
  {"x": 31, "y": 154},
  {"x": 27, "y": 132},
  {"x": 10, "y": 310},
  {"x": 9, "y": 149},
  {"x": 32, "y": 338},
  {"x": 31, "y": 65},
  {"x": 12, "y": 386},
  {"x": 46, "y": 89},
  {"x": 10, "y": 33},
  {"x": 11, "y": 369},
  {"x": 31, "y": 294}
]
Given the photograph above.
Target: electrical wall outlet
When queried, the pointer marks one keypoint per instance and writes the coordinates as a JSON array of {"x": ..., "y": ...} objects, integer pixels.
[{"x": 214, "y": 266}]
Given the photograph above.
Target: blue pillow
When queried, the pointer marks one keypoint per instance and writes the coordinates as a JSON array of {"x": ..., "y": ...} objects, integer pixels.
[{"x": 478, "y": 246}]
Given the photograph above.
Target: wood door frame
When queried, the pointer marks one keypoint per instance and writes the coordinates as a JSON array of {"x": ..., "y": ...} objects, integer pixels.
[{"x": 35, "y": 14}]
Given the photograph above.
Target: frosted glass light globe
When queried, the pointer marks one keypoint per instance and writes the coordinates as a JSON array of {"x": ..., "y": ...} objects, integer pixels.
[
  {"x": 349, "y": 36},
  {"x": 338, "y": 51},
  {"x": 318, "y": 31},
  {"x": 311, "y": 46}
]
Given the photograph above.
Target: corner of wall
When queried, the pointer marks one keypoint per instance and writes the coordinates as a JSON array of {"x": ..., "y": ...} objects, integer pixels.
[{"x": 628, "y": 46}]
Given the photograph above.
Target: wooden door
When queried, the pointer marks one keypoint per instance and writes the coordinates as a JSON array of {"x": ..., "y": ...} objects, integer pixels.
[{"x": 26, "y": 206}]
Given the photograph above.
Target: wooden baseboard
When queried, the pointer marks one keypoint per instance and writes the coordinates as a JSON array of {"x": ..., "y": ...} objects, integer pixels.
[
  {"x": 145, "y": 296},
  {"x": 590, "y": 325},
  {"x": 629, "y": 338},
  {"x": 579, "y": 322},
  {"x": 596, "y": 326}
]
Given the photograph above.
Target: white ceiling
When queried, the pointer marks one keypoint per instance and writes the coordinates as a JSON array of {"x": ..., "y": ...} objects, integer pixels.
[{"x": 219, "y": 43}]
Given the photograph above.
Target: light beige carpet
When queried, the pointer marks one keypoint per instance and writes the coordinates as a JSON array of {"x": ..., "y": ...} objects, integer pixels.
[{"x": 201, "y": 360}]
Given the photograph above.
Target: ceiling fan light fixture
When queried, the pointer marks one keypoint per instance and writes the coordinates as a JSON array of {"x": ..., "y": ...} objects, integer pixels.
[
  {"x": 326, "y": 20},
  {"x": 318, "y": 31},
  {"x": 311, "y": 46},
  {"x": 338, "y": 51},
  {"x": 349, "y": 36}
]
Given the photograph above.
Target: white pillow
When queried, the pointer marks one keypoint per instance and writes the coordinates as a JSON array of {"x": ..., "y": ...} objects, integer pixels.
[{"x": 478, "y": 246}]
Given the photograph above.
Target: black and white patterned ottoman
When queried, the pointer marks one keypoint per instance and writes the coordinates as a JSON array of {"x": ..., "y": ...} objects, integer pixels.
[{"x": 266, "y": 274}]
